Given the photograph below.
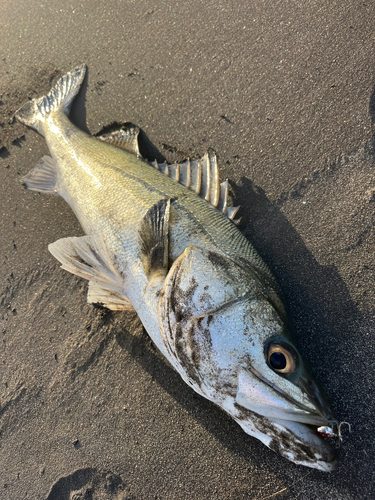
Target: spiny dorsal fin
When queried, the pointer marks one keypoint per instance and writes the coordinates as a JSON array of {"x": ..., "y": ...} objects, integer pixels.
[
  {"x": 125, "y": 137},
  {"x": 202, "y": 177}
]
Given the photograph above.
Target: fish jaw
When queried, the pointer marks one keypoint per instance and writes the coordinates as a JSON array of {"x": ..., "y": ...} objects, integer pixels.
[
  {"x": 299, "y": 443},
  {"x": 292, "y": 427},
  {"x": 257, "y": 394}
]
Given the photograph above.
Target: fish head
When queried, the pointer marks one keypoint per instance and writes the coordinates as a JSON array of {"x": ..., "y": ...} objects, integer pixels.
[{"x": 226, "y": 332}]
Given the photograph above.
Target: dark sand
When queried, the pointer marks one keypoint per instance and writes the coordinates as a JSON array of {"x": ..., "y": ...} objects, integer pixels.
[{"x": 284, "y": 93}]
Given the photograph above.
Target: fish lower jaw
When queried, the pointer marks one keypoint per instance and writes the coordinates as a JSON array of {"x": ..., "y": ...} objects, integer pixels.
[{"x": 297, "y": 442}]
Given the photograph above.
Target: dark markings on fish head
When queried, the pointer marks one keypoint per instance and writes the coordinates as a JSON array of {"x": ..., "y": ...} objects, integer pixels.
[
  {"x": 185, "y": 342},
  {"x": 181, "y": 299},
  {"x": 184, "y": 355},
  {"x": 219, "y": 261},
  {"x": 191, "y": 299},
  {"x": 301, "y": 452},
  {"x": 306, "y": 448}
]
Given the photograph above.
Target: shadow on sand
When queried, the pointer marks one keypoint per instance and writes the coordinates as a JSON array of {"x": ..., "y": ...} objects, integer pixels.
[{"x": 323, "y": 314}]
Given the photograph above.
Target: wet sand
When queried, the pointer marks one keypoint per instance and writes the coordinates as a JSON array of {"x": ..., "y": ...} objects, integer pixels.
[{"x": 283, "y": 92}]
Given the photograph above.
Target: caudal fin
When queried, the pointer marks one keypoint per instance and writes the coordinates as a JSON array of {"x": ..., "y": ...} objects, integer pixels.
[{"x": 61, "y": 96}]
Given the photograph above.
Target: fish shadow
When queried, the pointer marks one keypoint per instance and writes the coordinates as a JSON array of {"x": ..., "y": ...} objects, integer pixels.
[
  {"x": 372, "y": 107},
  {"x": 324, "y": 317},
  {"x": 78, "y": 111},
  {"x": 325, "y": 321}
]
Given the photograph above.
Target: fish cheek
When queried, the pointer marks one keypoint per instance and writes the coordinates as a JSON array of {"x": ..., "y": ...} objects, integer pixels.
[
  {"x": 186, "y": 351},
  {"x": 193, "y": 345}
]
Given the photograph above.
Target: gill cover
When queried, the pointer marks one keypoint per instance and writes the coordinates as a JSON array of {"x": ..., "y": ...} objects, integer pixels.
[{"x": 215, "y": 316}]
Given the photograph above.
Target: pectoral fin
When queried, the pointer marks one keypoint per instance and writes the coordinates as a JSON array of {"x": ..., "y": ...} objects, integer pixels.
[
  {"x": 88, "y": 258},
  {"x": 154, "y": 239}
]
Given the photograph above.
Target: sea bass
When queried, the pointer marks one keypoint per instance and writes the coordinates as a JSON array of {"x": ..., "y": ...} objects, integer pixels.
[{"x": 160, "y": 239}]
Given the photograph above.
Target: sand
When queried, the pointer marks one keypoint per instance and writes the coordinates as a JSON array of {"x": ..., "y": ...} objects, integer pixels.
[{"x": 283, "y": 92}]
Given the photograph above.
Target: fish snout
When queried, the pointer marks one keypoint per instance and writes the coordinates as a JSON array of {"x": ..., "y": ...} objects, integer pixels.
[{"x": 317, "y": 398}]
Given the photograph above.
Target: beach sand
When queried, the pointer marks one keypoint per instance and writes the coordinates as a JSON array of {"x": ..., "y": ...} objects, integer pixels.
[{"x": 283, "y": 92}]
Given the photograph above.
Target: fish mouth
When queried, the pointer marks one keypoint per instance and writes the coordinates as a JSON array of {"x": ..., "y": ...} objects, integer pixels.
[
  {"x": 315, "y": 412},
  {"x": 291, "y": 425},
  {"x": 301, "y": 444},
  {"x": 258, "y": 394}
]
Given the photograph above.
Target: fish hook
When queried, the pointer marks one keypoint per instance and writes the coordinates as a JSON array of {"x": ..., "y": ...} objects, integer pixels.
[{"x": 326, "y": 431}]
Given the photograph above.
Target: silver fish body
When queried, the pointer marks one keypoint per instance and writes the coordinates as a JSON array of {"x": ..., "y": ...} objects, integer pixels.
[{"x": 206, "y": 298}]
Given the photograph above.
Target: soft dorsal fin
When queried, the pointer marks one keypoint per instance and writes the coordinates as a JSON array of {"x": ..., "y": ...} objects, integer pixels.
[
  {"x": 124, "y": 137},
  {"x": 202, "y": 177}
]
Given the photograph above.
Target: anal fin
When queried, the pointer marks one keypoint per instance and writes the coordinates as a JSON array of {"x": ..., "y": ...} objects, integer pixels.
[
  {"x": 42, "y": 178},
  {"x": 98, "y": 295},
  {"x": 88, "y": 258}
]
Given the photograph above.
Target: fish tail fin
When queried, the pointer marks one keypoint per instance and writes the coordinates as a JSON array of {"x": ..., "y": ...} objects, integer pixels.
[{"x": 60, "y": 97}]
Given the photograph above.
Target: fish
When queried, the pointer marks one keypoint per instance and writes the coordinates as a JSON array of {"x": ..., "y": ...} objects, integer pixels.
[{"x": 162, "y": 240}]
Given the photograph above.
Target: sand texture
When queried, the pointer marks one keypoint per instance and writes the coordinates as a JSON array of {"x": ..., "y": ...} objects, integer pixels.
[{"x": 283, "y": 92}]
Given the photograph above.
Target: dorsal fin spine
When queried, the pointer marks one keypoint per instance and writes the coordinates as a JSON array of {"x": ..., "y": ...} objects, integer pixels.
[
  {"x": 215, "y": 186},
  {"x": 223, "y": 199},
  {"x": 196, "y": 173},
  {"x": 202, "y": 177},
  {"x": 175, "y": 172},
  {"x": 163, "y": 167},
  {"x": 188, "y": 181},
  {"x": 206, "y": 178},
  {"x": 231, "y": 212},
  {"x": 185, "y": 174}
]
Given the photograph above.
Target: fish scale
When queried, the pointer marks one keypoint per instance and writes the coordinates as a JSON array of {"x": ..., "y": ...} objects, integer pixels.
[{"x": 136, "y": 180}]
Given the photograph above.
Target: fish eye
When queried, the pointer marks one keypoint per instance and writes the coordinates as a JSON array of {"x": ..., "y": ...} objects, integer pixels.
[{"x": 281, "y": 358}]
